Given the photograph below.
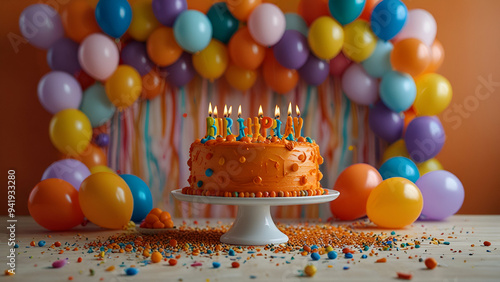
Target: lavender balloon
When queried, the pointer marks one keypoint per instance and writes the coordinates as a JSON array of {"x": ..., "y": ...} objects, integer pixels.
[
  {"x": 166, "y": 11},
  {"x": 314, "y": 71},
  {"x": 181, "y": 72},
  {"x": 70, "y": 170},
  {"x": 358, "y": 86},
  {"x": 41, "y": 25},
  {"x": 135, "y": 55},
  {"x": 292, "y": 50},
  {"x": 58, "y": 91},
  {"x": 424, "y": 138},
  {"x": 385, "y": 123},
  {"x": 63, "y": 56},
  {"x": 443, "y": 194},
  {"x": 102, "y": 140}
]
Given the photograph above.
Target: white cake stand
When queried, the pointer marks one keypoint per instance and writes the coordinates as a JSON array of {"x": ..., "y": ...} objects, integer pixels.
[{"x": 253, "y": 224}]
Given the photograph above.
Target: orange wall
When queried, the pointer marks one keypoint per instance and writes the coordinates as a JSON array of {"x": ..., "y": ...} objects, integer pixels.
[{"x": 467, "y": 29}]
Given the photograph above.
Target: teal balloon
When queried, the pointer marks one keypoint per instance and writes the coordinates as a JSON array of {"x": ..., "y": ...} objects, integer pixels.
[
  {"x": 399, "y": 167},
  {"x": 397, "y": 91},
  {"x": 113, "y": 16},
  {"x": 346, "y": 11},
  {"x": 296, "y": 22},
  {"x": 224, "y": 24},
  {"x": 192, "y": 31},
  {"x": 143, "y": 200},
  {"x": 379, "y": 63},
  {"x": 96, "y": 105}
]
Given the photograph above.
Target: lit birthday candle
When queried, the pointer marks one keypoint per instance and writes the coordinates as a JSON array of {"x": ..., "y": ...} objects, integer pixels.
[
  {"x": 265, "y": 122},
  {"x": 216, "y": 120},
  {"x": 256, "y": 125},
  {"x": 211, "y": 128},
  {"x": 297, "y": 123},
  {"x": 229, "y": 121},
  {"x": 289, "y": 124},
  {"x": 277, "y": 123},
  {"x": 224, "y": 123},
  {"x": 241, "y": 125}
]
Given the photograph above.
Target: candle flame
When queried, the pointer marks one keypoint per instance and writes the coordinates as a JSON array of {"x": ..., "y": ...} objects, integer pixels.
[
  {"x": 225, "y": 110},
  {"x": 290, "y": 109},
  {"x": 261, "y": 113},
  {"x": 297, "y": 110},
  {"x": 277, "y": 112},
  {"x": 210, "y": 109},
  {"x": 239, "y": 111},
  {"x": 230, "y": 111},
  {"x": 215, "y": 112}
]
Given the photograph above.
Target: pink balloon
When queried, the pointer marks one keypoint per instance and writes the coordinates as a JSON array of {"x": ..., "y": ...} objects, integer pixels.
[
  {"x": 358, "y": 86},
  {"x": 98, "y": 56},
  {"x": 421, "y": 25},
  {"x": 267, "y": 24},
  {"x": 339, "y": 64}
]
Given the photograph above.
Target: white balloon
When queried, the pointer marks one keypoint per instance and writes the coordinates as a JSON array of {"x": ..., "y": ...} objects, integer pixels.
[{"x": 421, "y": 25}]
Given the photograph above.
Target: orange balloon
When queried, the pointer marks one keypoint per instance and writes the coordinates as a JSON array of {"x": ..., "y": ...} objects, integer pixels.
[
  {"x": 201, "y": 5},
  {"x": 78, "y": 20},
  {"x": 276, "y": 76},
  {"x": 92, "y": 156},
  {"x": 152, "y": 85},
  {"x": 355, "y": 184},
  {"x": 411, "y": 56},
  {"x": 410, "y": 114},
  {"x": 310, "y": 10},
  {"x": 239, "y": 78},
  {"x": 244, "y": 51},
  {"x": 162, "y": 48},
  {"x": 241, "y": 9},
  {"x": 437, "y": 56},
  {"x": 53, "y": 203},
  {"x": 367, "y": 11}
]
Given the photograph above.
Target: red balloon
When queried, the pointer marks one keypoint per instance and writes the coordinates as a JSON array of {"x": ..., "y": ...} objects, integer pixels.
[
  {"x": 354, "y": 184},
  {"x": 53, "y": 204},
  {"x": 367, "y": 11},
  {"x": 313, "y": 9}
]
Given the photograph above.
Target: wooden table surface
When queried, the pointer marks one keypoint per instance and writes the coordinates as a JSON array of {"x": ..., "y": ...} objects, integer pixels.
[{"x": 464, "y": 259}]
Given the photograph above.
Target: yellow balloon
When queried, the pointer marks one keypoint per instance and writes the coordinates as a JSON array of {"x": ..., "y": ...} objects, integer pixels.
[
  {"x": 240, "y": 78},
  {"x": 394, "y": 203},
  {"x": 124, "y": 86},
  {"x": 433, "y": 94},
  {"x": 70, "y": 132},
  {"x": 396, "y": 149},
  {"x": 212, "y": 61},
  {"x": 100, "y": 168},
  {"x": 359, "y": 40},
  {"x": 143, "y": 20},
  {"x": 429, "y": 165},
  {"x": 106, "y": 200},
  {"x": 325, "y": 38}
]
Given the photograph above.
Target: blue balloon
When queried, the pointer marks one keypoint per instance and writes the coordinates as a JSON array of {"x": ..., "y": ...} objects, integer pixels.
[
  {"x": 399, "y": 167},
  {"x": 346, "y": 11},
  {"x": 113, "y": 16},
  {"x": 388, "y": 18},
  {"x": 379, "y": 63},
  {"x": 224, "y": 24},
  {"x": 143, "y": 200},
  {"x": 397, "y": 91},
  {"x": 96, "y": 105},
  {"x": 192, "y": 31},
  {"x": 296, "y": 22}
]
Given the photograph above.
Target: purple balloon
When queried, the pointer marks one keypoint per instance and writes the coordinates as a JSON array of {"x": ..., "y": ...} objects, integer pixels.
[
  {"x": 58, "y": 91},
  {"x": 314, "y": 71},
  {"x": 63, "y": 56},
  {"x": 424, "y": 138},
  {"x": 292, "y": 50},
  {"x": 443, "y": 194},
  {"x": 70, "y": 170},
  {"x": 181, "y": 72},
  {"x": 41, "y": 25},
  {"x": 135, "y": 54},
  {"x": 385, "y": 123},
  {"x": 358, "y": 86},
  {"x": 166, "y": 11},
  {"x": 102, "y": 140}
]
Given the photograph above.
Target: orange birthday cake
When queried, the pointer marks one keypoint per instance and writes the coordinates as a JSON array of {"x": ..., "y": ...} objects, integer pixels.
[{"x": 249, "y": 165}]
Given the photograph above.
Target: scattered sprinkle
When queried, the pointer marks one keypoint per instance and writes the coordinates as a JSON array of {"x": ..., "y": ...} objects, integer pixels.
[
  {"x": 131, "y": 271},
  {"x": 235, "y": 264},
  {"x": 431, "y": 263},
  {"x": 59, "y": 263},
  {"x": 216, "y": 264},
  {"x": 404, "y": 276},
  {"x": 310, "y": 270}
]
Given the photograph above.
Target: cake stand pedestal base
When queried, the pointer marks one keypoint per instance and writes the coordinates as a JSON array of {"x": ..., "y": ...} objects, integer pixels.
[{"x": 253, "y": 224}]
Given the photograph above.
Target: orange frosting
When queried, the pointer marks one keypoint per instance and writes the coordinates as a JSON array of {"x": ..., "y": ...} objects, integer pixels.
[{"x": 270, "y": 168}]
